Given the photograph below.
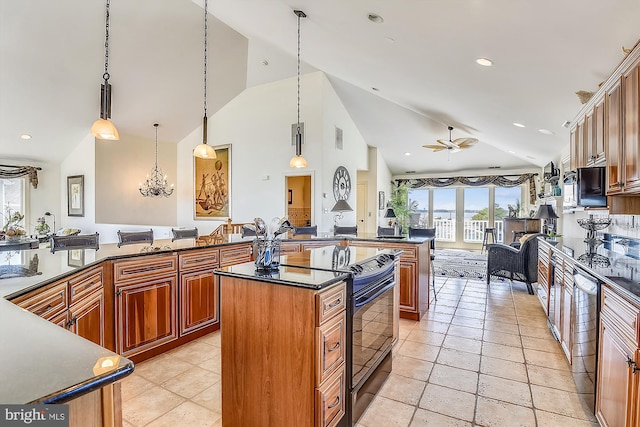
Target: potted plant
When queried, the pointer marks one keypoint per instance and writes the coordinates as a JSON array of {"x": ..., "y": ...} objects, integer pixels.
[
  {"x": 401, "y": 205},
  {"x": 13, "y": 229}
]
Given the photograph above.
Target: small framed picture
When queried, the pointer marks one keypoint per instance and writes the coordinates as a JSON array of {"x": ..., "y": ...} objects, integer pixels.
[
  {"x": 290, "y": 197},
  {"x": 381, "y": 200},
  {"x": 75, "y": 195},
  {"x": 75, "y": 258}
]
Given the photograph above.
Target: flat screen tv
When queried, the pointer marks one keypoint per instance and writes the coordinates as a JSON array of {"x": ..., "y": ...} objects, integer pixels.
[{"x": 591, "y": 188}]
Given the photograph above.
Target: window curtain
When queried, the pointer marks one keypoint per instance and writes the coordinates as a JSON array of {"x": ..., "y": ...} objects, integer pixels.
[
  {"x": 476, "y": 181},
  {"x": 8, "y": 172}
]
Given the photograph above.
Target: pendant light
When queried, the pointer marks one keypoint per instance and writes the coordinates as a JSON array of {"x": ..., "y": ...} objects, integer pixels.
[
  {"x": 205, "y": 151},
  {"x": 156, "y": 183},
  {"x": 298, "y": 161},
  {"x": 103, "y": 128}
]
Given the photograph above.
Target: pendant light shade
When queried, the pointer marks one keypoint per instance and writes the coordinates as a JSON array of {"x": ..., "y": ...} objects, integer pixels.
[
  {"x": 298, "y": 161},
  {"x": 103, "y": 128},
  {"x": 204, "y": 150}
]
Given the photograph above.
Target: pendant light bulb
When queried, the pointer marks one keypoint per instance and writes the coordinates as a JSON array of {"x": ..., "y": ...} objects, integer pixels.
[
  {"x": 103, "y": 128},
  {"x": 204, "y": 150}
]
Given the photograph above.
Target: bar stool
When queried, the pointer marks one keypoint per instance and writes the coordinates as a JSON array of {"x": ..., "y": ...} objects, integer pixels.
[{"x": 489, "y": 231}]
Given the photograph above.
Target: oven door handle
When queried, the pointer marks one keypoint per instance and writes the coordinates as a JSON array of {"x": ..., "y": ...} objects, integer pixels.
[{"x": 373, "y": 294}]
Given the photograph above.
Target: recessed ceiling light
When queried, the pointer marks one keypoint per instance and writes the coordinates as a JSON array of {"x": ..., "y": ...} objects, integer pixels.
[
  {"x": 566, "y": 124},
  {"x": 511, "y": 151},
  {"x": 495, "y": 167},
  {"x": 25, "y": 136},
  {"x": 375, "y": 89},
  {"x": 407, "y": 154},
  {"x": 518, "y": 125},
  {"x": 374, "y": 17},
  {"x": 264, "y": 62},
  {"x": 410, "y": 172},
  {"x": 546, "y": 131},
  {"x": 485, "y": 62},
  {"x": 389, "y": 39}
]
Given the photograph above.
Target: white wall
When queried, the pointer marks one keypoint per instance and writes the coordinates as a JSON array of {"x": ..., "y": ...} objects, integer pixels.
[{"x": 383, "y": 181}]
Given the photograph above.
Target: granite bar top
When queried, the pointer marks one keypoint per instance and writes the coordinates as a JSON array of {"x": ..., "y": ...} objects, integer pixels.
[
  {"x": 616, "y": 261},
  {"x": 43, "y": 363}
]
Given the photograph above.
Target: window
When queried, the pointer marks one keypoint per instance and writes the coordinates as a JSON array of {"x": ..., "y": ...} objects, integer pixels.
[
  {"x": 421, "y": 217},
  {"x": 476, "y": 213},
  {"x": 12, "y": 196}
]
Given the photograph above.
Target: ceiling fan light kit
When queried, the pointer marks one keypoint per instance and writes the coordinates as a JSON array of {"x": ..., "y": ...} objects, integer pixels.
[{"x": 452, "y": 146}]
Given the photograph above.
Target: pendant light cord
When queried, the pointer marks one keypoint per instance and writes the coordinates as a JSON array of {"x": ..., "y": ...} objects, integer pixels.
[
  {"x": 156, "y": 126},
  {"x": 299, "y": 71},
  {"x": 106, "y": 75},
  {"x": 206, "y": 28}
]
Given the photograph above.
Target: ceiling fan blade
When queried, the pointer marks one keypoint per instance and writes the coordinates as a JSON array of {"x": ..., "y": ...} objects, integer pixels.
[
  {"x": 465, "y": 142},
  {"x": 435, "y": 148},
  {"x": 447, "y": 144}
]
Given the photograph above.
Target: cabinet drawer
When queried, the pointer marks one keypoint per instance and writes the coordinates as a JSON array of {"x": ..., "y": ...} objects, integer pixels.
[
  {"x": 235, "y": 254},
  {"x": 330, "y": 400},
  {"x": 330, "y": 302},
  {"x": 203, "y": 258},
  {"x": 84, "y": 284},
  {"x": 143, "y": 267},
  {"x": 47, "y": 303},
  {"x": 622, "y": 312},
  {"x": 289, "y": 248},
  {"x": 330, "y": 346}
]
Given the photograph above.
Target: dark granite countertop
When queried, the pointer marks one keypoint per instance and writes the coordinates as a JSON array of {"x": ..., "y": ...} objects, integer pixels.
[
  {"x": 616, "y": 261},
  {"x": 43, "y": 363}
]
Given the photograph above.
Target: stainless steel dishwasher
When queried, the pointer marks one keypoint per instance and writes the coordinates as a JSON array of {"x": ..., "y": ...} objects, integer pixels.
[{"x": 584, "y": 355}]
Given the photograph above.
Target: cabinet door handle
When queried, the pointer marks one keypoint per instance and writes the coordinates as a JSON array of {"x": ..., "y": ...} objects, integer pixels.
[
  {"x": 335, "y": 304},
  {"x": 334, "y": 348},
  {"x": 632, "y": 364},
  {"x": 333, "y": 405},
  {"x": 42, "y": 310},
  {"x": 118, "y": 292}
]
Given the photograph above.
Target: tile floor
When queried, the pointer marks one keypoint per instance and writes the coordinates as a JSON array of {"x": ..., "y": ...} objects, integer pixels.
[{"x": 480, "y": 357}]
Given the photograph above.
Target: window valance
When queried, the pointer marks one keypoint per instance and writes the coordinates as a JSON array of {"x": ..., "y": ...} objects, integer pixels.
[
  {"x": 8, "y": 172},
  {"x": 476, "y": 181}
]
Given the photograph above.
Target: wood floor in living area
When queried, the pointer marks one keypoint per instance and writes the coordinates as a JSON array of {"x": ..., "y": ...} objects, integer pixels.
[{"x": 482, "y": 356}]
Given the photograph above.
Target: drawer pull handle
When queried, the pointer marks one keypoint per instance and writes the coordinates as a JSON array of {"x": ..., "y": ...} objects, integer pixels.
[
  {"x": 334, "y": 348},
  {"x": 333, "y": 405},
  {"x": 632, "y": 364},
  {"x": 335, "y": 304},
  {"x": 43, "y": 309}
]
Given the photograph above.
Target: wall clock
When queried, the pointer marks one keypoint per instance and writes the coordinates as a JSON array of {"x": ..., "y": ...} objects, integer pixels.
[{"x": 341, "y": 184}]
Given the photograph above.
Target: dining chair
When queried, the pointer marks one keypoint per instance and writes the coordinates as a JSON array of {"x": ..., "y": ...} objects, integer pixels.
[
  {"x": 307, "y": 230},
  {"x": 184, "y": 233},
  {"x": 133, "y": 237},
  {"x": 345, "y": 230},
  {"x": 78, "y": 241},
  {"x": 428, "y": 232}
]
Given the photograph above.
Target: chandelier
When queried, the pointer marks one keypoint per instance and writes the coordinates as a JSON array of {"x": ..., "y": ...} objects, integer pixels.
[{"x": 156, "y": 184}]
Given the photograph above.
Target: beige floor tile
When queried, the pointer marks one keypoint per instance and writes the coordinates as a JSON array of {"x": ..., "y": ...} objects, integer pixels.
[
  {"x": 472, "y": 299},
  {"x": 546, "y": 359},
  {"x": 475, "y": 306},
  {"x": 499, "y": 351},
  {"x": 493, "y": 413},
  {"x": 426, "y": 337},
  {"x": 432, "y": 316},
  {"x": 549, "y": 419},
  {"x": 134, "y": 385},
  {"x": 161, "y": 368},
  {"x": 411, "y": 367},
  {"x": 433, "y": 326},
  {"x": 404, "y": 333},
  {"x": 458, "y": 379},
  {"x": 542, "y": 344},
  {"x": 195, "y": 352},
  {"x": 383, "y": 412},
  {"x": 474, "y": 314},
  {"x": 463, "y": 344},
  {"x": 467, "y": 321},
  {"x": 446, "y": 401},
  {"x": 149, "y": 405},
  {"x": 210, "y": 398},
  {"x": 214, "y": 365},
  {"x": 465, "y": 332},
  {"x": 494, "y": 325},
  {"x": 212, "y": 339},
  {"x": 424, "y": 418},
  {"x": 532, "y": 331},
  {"x": 191, "y": 382},
  {"x": 459, "y": 359},
  {"x": 560, "y": 402},
  {"x": 503, "y": 369},
  {"x": 419, "y": 351},
  {"x": 505, "y": 390},
  {"x": 187, "y": 414},
  {"x": 443, "y": 309},
  {"x": 502, "y": 338},
  {"x": 402, "y": 389},
  {"x": 504, "y": 318},
  {"x": 408, "y": 324}
]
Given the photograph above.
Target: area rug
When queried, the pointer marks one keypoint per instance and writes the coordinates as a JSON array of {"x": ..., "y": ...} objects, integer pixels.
[{"x": 460, "y": 263}]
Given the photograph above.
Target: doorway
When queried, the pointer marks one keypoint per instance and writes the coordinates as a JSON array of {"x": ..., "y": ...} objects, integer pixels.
[{"x": 298, "y": 200}]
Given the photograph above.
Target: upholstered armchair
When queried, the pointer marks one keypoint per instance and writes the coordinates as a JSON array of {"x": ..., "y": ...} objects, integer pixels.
[{"x": 514, "y": 264}]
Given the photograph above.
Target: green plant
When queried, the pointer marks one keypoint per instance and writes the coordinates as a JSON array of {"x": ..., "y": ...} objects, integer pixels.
[
  {"x": 13, "y": 226},
  {"x": 401, "y": 205}
]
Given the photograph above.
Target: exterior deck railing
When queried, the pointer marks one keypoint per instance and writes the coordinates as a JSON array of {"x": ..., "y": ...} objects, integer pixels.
[{"x": 473, "y": 230}]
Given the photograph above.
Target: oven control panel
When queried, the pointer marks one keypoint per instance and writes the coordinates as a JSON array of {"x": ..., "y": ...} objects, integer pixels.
[{"x": 372, "y": 269}]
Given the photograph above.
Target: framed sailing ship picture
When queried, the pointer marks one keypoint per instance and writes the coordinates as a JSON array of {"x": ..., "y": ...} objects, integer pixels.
[{"x": 212, "y": 185}]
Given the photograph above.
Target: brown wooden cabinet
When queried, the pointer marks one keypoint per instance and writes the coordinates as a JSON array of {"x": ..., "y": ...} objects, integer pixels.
[
  {"x": 145, "y": 302},
  {"x": 544, "y": 274},
  {"x": 235, "y": 254},
  {"x": 199, "y": 292},
  {"x": 283, "y": 361},
  {"x": 617, "y": 391},
  {"x": 613, "y": 138},
  {"x": 631, "y": 130},
  {"x": 86, "y": 317}
]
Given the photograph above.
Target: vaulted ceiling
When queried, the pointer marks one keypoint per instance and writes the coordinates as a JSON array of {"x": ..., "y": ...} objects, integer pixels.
[{"x": 420, "y": 60}]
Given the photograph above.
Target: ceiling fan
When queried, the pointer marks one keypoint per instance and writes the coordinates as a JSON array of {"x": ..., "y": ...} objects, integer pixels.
[{"x": 452, "y": 146}]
